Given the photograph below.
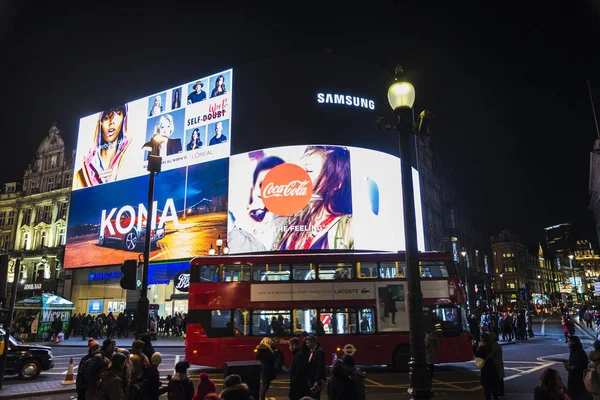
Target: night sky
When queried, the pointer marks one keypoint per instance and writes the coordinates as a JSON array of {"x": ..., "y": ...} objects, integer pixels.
[{"x": 513, "y": 125}]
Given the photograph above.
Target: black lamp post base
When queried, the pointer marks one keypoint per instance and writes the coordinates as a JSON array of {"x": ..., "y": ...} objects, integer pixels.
[{"x": 420, "y": 381}]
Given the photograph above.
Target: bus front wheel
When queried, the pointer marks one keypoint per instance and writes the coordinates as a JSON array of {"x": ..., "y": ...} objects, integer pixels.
[{"x": 401, "y": 357}]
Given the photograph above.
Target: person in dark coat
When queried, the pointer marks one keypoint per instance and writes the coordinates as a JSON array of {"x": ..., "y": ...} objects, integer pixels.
[
  {"x": 180, "y": 383},
  {"x": 148, "y": 348},
  {"x": 266, "y": 356},
  {"x": 317, "y": 374},
  {"x": 489, "y": 374},
  {"x": 578, "y": 362},
  {"x": 112, "y": 383},
  {"x": 340, "y": 386},
  {"x": 80, "y": 384},
  {"x": 551, "y": 387},
  {"x": 299, "y": 385},
  {"x": 235, "y": 389}
]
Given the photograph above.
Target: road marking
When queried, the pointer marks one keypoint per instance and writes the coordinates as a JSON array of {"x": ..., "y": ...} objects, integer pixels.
[
  {"x": 447, "y": 384},
  {"x": 544, "y": 326},
  {"x": 373, "y": 382}
]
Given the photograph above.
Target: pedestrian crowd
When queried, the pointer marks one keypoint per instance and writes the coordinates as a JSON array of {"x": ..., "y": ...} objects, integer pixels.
[{"x": 512, "y": 325}]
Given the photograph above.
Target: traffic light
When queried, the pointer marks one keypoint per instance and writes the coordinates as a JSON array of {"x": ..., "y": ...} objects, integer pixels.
[{"x": 129, "y": 272}]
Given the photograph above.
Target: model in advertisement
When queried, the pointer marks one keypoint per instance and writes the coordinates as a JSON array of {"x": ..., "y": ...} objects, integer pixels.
[
  {"x": 219, "y": 88},
  {"x": 258, "y": 229},
  {"x": 219, "y": 136},
  {"x": 157, "y": 107},
  {"x": 198, "y": 94},
  {"x": 102, "y": 163},
  {"x": 326, "y": 222},
  {"x": 176, "y": 99},
  {"x": 163, "y": 129},
  {"x": 195, "y": 142}
]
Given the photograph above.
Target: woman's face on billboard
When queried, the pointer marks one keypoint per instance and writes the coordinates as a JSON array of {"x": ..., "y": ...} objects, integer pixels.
[
  {"x": 313, "y": 165},
  {"x": 111, "y": 125},
  {"x": 164, "y": 128}
]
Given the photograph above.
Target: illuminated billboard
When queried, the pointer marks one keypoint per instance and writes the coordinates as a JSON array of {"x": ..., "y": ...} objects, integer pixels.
[
  {"x": 317, "y": 197},
  {"x": 191, "y": 121}
]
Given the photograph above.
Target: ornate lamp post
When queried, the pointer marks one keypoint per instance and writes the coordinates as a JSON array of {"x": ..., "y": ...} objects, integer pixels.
[{"x": 401, "y": 96}]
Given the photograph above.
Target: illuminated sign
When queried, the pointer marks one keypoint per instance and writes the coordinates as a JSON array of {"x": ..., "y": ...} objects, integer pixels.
[
  {"x": 317, "y": 197},
  {"x": 182, "y": 281},
  {"x": 32, "y": 286},
  {"x": 104, "y": 276},
  {"x": 95, "y": 306},
  {"x": 345, "y": 99}
]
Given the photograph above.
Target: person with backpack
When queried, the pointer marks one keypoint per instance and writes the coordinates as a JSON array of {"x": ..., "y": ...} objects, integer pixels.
[
  {"x": 151, "y": 378},
  {"x": 112, "y": 383},
  {"x": 591, "y": 377},
  {"x": 578, "y": 362},
  {"x": 180, "y": 386},
  {"x": 80, "y": 384},
  {"x": 92, "y": 371},
  {"x": 356, "y": 375},
  {"x": 266, "y": 356}
]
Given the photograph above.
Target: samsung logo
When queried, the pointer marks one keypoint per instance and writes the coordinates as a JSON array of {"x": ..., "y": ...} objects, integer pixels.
[{"x": 346, "y": 100}]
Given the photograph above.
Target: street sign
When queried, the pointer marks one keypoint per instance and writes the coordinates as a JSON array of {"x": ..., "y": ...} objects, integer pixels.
[{"x": 597, "y": 287}]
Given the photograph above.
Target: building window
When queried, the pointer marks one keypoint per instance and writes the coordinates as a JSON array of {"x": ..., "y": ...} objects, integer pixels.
[
  {"x": 47, "y": 214},
  {"x": 2, "y": 218},
  {"x": 67, "y": 181},
  {"x": 50, "y": 183},
  {"x": 26, "y": 240},
  {"x": 62, "y": 233},
  {"x": 62, "y": 210},
  {"x": 43, "y": 239},
  {"x": 10, "y": 217},
  {"x": 27, "y": 216},
  {"x": 53, "y": 161},
  {"x": 44, "y": 182}
]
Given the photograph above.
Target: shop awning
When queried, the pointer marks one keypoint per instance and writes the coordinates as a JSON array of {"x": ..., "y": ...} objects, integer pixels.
[{"x": 44, "y": 301}]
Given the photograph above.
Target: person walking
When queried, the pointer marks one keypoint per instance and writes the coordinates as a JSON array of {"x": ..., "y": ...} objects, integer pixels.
[
  {"x": 356, "y": 375},
  {"x": 299, "y": 384},
  {"x": 266, "y": 356},
  {"x": 317, "y": 374},
  {"x": 578, "y": 362},
  {"x": 340, "y": 386},
  {"x": 551, "y": 387},
  {"x": 499, "y": 362},
  {"x": 489, "y": 374}
]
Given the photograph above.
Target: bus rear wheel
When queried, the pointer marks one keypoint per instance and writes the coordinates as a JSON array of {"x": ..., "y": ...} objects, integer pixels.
[{"x": 401, "y": 357}]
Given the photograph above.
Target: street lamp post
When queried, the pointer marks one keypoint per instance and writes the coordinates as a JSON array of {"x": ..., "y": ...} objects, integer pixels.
[
  {"x": 464, "y": 256},
  {"x": 401, "y": 96},
  {"x": 574, "y": 284},
  {"x": 154, "y": 167},
  {"x": 502, "y": 287}
]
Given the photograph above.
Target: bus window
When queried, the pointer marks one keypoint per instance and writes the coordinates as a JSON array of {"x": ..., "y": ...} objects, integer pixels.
[
  {"x": 338, "y": 271},
  {"x": 241, "y": 322},
  {"x": 270, "y": 272},
  {"x": 220, "y": 319},
  {"x": 367, "y": 320},
  {"x": 447, "y": 319},
  {"x": 433, "y": 269},
  {"x": 304, "y": 272},
  {"x": 325, "y": 322},
  {"x": 209, "y": 273},
  {"x": 304, "y": 320},
  {"x": 271, "y": 322},
  {"x": 392, "y": 269},
  {"x": 367, "y": 270},
  {"x": 345, "y": 319},
  {"x": 236, "y": 273}
]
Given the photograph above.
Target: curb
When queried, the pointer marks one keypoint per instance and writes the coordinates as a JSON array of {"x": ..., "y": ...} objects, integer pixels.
[
  {"x": 66, "y": 389},
  {"x": 584, "y": 330}
]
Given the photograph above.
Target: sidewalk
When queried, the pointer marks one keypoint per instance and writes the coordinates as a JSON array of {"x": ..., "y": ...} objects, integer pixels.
[
  {"x": 169, "y": 341},
  {"x": 27, "y": 389},
  {"x": 590, "y": 333}
]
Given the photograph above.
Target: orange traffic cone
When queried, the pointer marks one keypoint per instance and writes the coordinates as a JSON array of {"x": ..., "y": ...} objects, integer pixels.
[{"x": 69, "y": 379}]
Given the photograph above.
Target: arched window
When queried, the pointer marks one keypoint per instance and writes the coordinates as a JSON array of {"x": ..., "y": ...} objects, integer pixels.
[
  {"x": 26, "y": 240},
  {"x": 43, "y": 238},
  {"x": 41, "y": 272}
]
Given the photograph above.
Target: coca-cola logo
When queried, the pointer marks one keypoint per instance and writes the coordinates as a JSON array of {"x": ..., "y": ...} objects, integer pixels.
[
  {"x": 182, "y": 281},
  {"x": 286, "y": 189}
]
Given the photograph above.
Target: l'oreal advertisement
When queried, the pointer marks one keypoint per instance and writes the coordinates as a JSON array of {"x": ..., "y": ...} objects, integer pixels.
[
  {"x": 107, "y": 223},
  {"x": 317, "y": 197},
  {"x": 191, "y": 124}
]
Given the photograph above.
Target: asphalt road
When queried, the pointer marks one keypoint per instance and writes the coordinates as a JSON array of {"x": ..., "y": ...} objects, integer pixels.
[{"x": 524, "y": 362}]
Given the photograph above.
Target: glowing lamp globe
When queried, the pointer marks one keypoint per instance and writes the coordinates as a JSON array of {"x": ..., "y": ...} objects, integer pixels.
[{"x": 401, "y": 94}]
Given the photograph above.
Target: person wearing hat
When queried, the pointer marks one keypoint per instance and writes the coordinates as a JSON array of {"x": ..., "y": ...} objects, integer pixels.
[
  {"x": 205, "y": 386},
  {"x": 92, "y": 371},
  {"x": 80, "y": 384},
  {"x": 151, "y": 378},
  {"x": 198, "y": 94},
  {"x": 112, "y": 383},
  {"x": 137, "y": 348}
]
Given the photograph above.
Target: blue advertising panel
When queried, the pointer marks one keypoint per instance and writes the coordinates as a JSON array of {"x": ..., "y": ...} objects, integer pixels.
[{"x": 96, "y": 306}]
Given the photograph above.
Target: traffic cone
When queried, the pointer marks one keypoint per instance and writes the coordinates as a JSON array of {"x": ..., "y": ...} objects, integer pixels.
[{"x": 69, "y": 379}]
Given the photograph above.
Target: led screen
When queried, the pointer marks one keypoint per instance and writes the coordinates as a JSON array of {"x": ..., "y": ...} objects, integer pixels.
[
  {"x": 317, "y": 197},
  {"x": 191, "y": 121}
]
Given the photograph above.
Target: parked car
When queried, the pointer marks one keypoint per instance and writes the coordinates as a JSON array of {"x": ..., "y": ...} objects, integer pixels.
[{"x": 25, "y": 360}]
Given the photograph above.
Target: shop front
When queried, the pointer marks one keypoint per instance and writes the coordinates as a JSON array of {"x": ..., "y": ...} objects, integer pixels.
[{"x": 97, "y": 290}]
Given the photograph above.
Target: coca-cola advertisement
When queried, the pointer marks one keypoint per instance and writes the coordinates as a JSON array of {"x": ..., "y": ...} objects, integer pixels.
[
  {"x": 317, "y": 197},
  {"x": 107, "y": 223}
]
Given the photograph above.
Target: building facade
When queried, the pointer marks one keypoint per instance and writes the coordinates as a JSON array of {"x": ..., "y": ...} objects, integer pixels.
[
  {"x": 511, "y": 262},
  {"x": 34, "y": 218}
]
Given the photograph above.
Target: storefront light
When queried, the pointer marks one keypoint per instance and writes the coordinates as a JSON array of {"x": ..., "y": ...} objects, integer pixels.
[{"x": 211, "y": 251}]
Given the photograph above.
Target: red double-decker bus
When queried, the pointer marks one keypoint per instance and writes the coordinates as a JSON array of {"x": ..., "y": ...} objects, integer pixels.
[{"x": 354, "y": 303}]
